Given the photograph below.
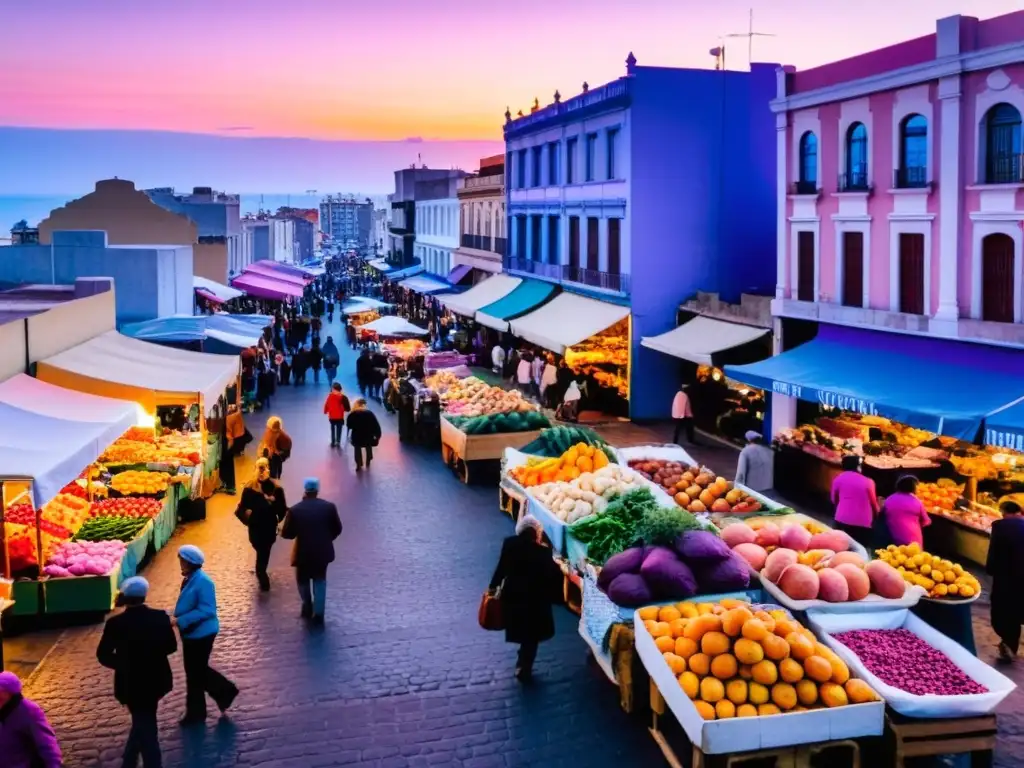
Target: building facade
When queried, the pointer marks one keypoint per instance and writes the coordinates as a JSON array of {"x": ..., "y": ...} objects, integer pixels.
[
  {"x": 347, "y": 222},
  {"x": 437, "y": 224},
  {"x": 381, "y": 223},
  {"x": 218, "y": 222},
  {"x": 273, "y": 238},
  {"x": 401, "y": 251},
  {"x": 482, "y": 238},
  {"x": 900, "y": 178},
  {"x": 632, "y": 192}
]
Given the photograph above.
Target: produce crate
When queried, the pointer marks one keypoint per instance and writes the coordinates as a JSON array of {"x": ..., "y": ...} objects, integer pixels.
[
  {"x": 136, "y": 549},
  {"x": 957, "y": 540},
  {"x": 27, "y": 597},
  {"x": 81, "y": 594},
  {"x": 165, "y": 523},
  {"x": 458, "y": 445},
  {"x": 926, "y": 738}
]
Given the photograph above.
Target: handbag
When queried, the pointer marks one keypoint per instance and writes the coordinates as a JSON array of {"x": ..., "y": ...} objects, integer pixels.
[
  {"x": 491, "y": 614},
  {"x": 242, "y": 514}
]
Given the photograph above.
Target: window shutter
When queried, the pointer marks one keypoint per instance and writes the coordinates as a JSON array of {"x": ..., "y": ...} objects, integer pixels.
[
  {"x": 593, "y": 244},
  {"x": 805, "y": 266},
  {"x": 574, "y": 242},
  {"x": 853, "y": 269},
  {"x": 614, "y": 246},
  {"x": 997, "y": 279},
  {"x": 912, "y": 265}
]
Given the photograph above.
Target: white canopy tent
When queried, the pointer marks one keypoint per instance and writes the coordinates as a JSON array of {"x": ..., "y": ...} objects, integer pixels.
[
  {"x": 480, "y": 295},
  {"x": 566, "y": 320},
  {"x": 362, "y": 304},
  {"x": 701, "y": 337},
  {"x": 380, "y": 265},
  {"x": 221, "y": 291},
  {"x": 394, "y": 326},
  {"x": 423, "y": 284}
]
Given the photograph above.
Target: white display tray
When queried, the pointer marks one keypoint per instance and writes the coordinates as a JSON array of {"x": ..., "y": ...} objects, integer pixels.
[
  {"x": 603, "y": 659},
  {"x": 872, "y": 602},
  {"x": 745, "y": 734},
  {"x": 908, "y": 704}
]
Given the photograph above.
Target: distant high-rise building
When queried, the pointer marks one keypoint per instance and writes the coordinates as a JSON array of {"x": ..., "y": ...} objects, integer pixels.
[{"x": 347, "y": 222}]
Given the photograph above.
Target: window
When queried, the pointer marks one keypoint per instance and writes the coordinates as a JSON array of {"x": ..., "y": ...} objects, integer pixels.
[
  {"x": 521, "y": 237},
  {"x": 805, "y": 277},
  {"x": 613, "y": 135},
  {"x": 1003, "y": 145},
  {"x": 553, "y": 254},
  {"x": 535, "y": 180},
  {"x": 912, "y": 273},
  {"x": 570, "y": 160},
  {"x": 853, "y": 269},
  {"x": 593, "y": 245},
  {"x": 535, "y": 240},
  {"x": 997, "y": 278},
  {"x": 913, "y": 169},
  {"x": 574, "y": 242},
  {"x": 591, "y": 160},
  {"x": 553, "y": 164},
  {"x": 508, "y": 243},
  {"x": 807, "y": 180},
  {"x": 521, "y": 170},
  {"x": 614, "y": 246},
  {"x": 856, "y": 158}
]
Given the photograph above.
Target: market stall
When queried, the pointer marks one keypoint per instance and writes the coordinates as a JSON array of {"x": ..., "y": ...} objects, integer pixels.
[
  {"x": 267, "y": 287},
  {"x": 280, "y": 271},
  {"x": 524, "y": 298},
  {"x": 392, "y": 326},
  {"x": 424, "y": 284},
  {"x": 480, "y": 295},
  {"x": 214, "y": 291},
  {"x": 219, "y": 334}
]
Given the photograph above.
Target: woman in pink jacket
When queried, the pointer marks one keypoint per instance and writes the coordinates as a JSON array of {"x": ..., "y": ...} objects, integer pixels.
[{"x": 855, "y": 500}]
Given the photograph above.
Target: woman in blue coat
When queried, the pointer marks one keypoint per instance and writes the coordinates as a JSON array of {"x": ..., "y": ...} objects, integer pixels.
[{"x": 195, "y": 615}]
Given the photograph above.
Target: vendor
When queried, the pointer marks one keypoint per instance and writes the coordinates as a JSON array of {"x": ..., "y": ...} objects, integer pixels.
[
  {"x": 856, "y": 501},
  {"x": 754, "y": 468}
]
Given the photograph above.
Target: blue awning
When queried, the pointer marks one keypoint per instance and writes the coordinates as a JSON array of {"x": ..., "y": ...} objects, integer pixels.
[
  {"x": 458, "y": 273},
  {"x": 525, "y": 297},
  {"x": 400, "y": 274},
  {"x": 946, "y": 387}
]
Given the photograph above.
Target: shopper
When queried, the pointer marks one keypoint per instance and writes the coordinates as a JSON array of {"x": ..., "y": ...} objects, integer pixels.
[
  {"x": 316, "y": 359},
  {"x": 755, "y": 466},
  {"x": 261, "y": 507},
  {"x": 498, "y": 359},
  {"x": 136, "y": 644},
  {"x": 276, "y": 446},
  {"x": 536, "y": 374},
  {"x": 524, "y": 373},
  {"x": 1006, "y": 567},
  {"x": 569, "y": 410},
  {"x": 195, "y": 616},
  {"x": 549, "y": 383},
  {"x": 332, "y": 358},
  {"x": 364, "y": 371},
  {"x": 855, "y": 500},
  {"x": 334, "y": 407},
  {"x": 26, "y": 738},
  {"x": 904, "y": 514},
  {"x": 314, "y": 524},
  {"x": 363, "y": 432},
  {"x": 529, "y": 582},
  {"x": 682, "y": 415}
]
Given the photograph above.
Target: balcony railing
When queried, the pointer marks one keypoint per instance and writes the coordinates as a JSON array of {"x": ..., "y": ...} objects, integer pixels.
[
  {"x": 855, "y": 181},
  {"x": 915, "y": 177},
  {"x": 614, "y": 93},
  {"x": 804, "y": 187},
  {"x": 1004, "y": 169},
  {"x": 538, "y": 268},
  {"x": 493, "y": 181},
  {"x": 484, "y": 243},
  {"x": 594, "y": 278}
]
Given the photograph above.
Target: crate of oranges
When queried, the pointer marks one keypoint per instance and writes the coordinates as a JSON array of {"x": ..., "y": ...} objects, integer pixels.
[{"x": 728, "y": 670}]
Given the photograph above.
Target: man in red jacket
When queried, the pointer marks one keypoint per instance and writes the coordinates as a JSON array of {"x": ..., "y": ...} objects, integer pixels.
[{"x": 335, "y": 407}]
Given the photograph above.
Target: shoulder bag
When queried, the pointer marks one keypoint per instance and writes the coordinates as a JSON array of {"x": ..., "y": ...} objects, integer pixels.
[{"x": 491, "y": 615}]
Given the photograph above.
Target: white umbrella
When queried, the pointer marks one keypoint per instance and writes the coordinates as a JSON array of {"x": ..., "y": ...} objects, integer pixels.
[{"x": 394, "y": 326}]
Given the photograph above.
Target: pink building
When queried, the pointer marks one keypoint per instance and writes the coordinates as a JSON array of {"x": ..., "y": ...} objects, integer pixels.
[{"x": 901, "y": 186}]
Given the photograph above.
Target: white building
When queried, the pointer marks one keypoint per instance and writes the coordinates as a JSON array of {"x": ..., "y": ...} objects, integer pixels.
[
  {"x": 381, "y": 224},
  {"x": 437, "y": 224},
  {"x": 482, "y": 230}
]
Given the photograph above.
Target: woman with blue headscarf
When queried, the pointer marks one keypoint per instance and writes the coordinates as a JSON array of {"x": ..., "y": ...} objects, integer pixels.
[{"x": 195, "y": 615}]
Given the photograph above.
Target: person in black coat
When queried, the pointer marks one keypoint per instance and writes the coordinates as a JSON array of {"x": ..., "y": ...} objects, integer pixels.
[
  {"x": 530, "y": 582},
  {"x": 261, "y": 507},
  {"x": 363, "y": 432},
  {"x": 136, "y": 644},
  {"x": 364, "y": 370},
  {"x": 1006, "y": 567},
  {"x": 314, "y": 524}
]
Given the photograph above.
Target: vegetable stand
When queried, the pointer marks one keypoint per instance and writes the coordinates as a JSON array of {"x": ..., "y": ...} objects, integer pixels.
[{"x": 460, "y": 450}]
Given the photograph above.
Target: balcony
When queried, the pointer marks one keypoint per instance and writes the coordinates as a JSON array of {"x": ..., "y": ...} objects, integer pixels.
[
  {"x": 804, "y": 187},
  {"x": 910, "y": 178},
  {"x": 494, "y": 182},
  {"x": 593, "y": 278},
  {"x": 1004, "y": 169},
  {"x": 613, "y": 95},
  {"x": 484, "y": 243},
  {"x": 540, "y": 269},
  {"x": 856, "y": 181}
]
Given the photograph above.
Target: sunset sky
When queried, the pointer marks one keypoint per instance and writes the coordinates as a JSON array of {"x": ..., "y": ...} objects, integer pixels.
[{"x": 437, "y": 69}]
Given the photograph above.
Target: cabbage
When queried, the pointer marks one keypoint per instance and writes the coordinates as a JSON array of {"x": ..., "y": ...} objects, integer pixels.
[
  {"x": 629, "y": 589},
  {"x": 667, "y": 576},
  {"x": 702, "y": 548},
  {"x": 627, "y": 561},
  {"x": 726, "y": 575}
]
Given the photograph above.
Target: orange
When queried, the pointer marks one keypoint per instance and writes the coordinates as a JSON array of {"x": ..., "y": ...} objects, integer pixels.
[
  {"x": 701, "y": 625},
  {"x": 840, "y": 672},
  {"x": 784, "y": 626},
  {"x": 690, "y": 684},
  {"x": 746, "y": 672},
  {"x": 800, "y": 648},
  {"x": 733, "y": 621},
  {"x": 833, "y": 695},
  {"x": 766, "y": 673},
  {"x": 818, "y": 669},
  {"x": 858, "y": 692},
  {"x": 807, "y": 692},
  {"x": 724, "y": 666},
  {"x": 704, "y": 609},
  {"x": 746, "y": 710},
  {"x": 669, "y": 614},
  {"x": 699, "y": 663},
  {"x": 784, "y": 696},
  {"x": 676, "y": 626},
  {"x": 736, "y": 691},
  {"x": 755, "y": 630},
  {"x": 748, "y": 651},
  {"x": 711, "y": 690},
  {"x": 791, "y": 671},
  {"x": 732, "y": 602},
  {"x": 714, "y": 643},
  {"x": 757, "y": 693},
  {"x": 661, "y": 628},
  {"x": 665, "y": 643},
  {"x": 725, "y": 709},
  {"x": 768, "y": 709},
  {"x": 676, "y": 663},
  {"x": 767, "y": 619},
  {"x": 687, "y": 610},
  {"x": 649, "y": 626},
  {"x": 705, "y": 710},
  {"x": 685, "y": 647},
  {"x": 775, "y": 648}
]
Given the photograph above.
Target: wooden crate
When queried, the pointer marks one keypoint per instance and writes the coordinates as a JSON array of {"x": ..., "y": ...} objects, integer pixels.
[
  {"x": 458, "y": 449},
  {"x": 925, "y": 738}
]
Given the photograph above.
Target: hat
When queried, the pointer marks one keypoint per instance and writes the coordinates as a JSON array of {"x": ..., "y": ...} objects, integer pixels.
[
  {"x": 9, "y": 683},
  {"x": 528, "y": 521},
  {"x": 311, "y": 485},
  {"x": 190, "y": 553},
  {"x": 752, "y": 435},
  {"x": 135, "y": 587}
]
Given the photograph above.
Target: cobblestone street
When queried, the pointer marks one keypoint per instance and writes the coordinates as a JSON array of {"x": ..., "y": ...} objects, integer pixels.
[{"x": 401, "y": 675}]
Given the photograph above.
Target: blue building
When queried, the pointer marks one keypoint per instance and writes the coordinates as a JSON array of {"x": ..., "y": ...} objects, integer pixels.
[
  {"x": 642, "y": 192},
  {"x": 150, "y": 281}
]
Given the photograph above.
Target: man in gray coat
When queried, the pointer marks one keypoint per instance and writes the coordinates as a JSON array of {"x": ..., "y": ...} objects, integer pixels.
[{"x": 314, "y": 524}]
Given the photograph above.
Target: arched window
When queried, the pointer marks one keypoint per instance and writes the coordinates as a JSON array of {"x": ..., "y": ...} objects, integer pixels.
[
  {"x": 856, "y": 158},
  {"x": 807, "y": 182},
  {"x": 1003, "y": 145},
  {"x": 913, "y": 170},
  {"x": 997, "y": 265}
]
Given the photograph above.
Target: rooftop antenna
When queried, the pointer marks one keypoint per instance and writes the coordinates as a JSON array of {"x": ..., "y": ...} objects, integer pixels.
[{"x": 750, "y": 34}]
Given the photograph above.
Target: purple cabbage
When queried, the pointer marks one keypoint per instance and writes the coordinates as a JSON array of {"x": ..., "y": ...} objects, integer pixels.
[
  {"x": 700, "y": 548},
  {"x": 667, "y": 576},
  {"x": 630, "y": 590},
  {"x": 627, "y": 561},
  {"x": 727, "y": 575}
]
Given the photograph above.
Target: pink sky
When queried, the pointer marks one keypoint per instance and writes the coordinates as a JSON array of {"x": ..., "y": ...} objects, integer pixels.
[{"x": 338, "y": 69}]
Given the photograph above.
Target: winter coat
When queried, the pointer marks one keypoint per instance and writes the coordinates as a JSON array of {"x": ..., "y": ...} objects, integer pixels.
[
  {"x": 532, "y": 583},
  {"x": 262, "y": 515},
  {"x": 136, "y": 644},
  {"x": 314, "y": 524},
  {"x": 334, "y": 406},
  {"x": 196, "y": 609},
  {"x": 26, "y": 738},
  {"x": 331, "y": 355},
  {"x": 363, "y": 428}
]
